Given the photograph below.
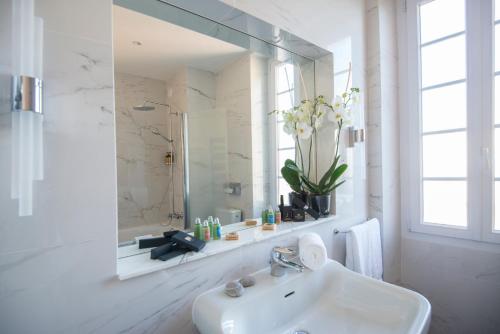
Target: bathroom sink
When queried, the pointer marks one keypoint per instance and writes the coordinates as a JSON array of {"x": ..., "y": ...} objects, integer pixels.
[{"x": 331, "y": 300}]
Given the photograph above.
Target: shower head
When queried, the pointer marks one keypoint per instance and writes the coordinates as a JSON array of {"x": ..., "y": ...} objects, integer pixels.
[{"x": 144, "y": 107}]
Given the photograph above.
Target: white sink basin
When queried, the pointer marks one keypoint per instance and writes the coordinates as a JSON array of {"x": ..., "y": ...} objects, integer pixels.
[{"x": 331, "y": 300}]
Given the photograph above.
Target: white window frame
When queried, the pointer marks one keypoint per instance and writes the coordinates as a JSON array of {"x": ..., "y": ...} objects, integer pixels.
[
  {"x": 479, "y": 83},
  {"x": 273, "y": 129}
]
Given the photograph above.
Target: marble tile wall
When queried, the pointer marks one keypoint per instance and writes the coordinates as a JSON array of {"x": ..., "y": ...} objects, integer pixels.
[
  {"x": 382, "y": 130},
  {"x": 144, "y": 180},
  {"x": 59, "y": 265},
  {"x": 234, "y": 96}
]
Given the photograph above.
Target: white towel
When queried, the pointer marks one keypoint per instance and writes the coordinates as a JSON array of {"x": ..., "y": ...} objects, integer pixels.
[
  {"x": 364, "y": 249},
  {"x": 312, "y": 251}
]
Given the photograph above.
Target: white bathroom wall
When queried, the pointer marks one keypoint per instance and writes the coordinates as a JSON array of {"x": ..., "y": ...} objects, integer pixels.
[
  {"x": 382, "y": 130},
  {"x": 57, "y": 268},
  {"x": 460, "y": 278}
]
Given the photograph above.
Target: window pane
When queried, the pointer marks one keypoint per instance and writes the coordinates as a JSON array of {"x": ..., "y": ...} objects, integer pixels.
[
  {"x": 283, "y": 155},
  {"x": 340, "y": 82},
  {"x": 444, "y": 155},
  {"x": 285, "y": 77},
  {"x": 444, "y": 61},
  {"x": 284, "y": 139},
  {"x": 283, "y": 189},
  {"x": 497, "y": 47},
  {"x": 497, "y": 99},
  {"x": 497, "y": 10},
  {"x": 285, "y": 101},
  {"x": 445, "y": 202},
  {"x": 496, "y": 226},
  {"x": 497, "y": 152},
  {"x": 444, "y": 108},
  {"x": 432, "y": 24}
]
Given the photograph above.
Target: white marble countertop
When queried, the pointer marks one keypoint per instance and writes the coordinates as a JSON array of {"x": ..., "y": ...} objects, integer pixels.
[{"x": 133, "y": 262}]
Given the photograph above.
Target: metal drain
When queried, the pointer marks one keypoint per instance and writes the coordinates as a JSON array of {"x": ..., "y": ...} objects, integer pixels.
[{"x": 301, "y": 331}]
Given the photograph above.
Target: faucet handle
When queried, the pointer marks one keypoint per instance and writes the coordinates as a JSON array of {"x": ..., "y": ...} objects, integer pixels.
[{"x": 284, "y": 250}]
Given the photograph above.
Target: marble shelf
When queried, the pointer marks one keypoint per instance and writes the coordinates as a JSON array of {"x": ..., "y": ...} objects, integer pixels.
[{"x": 130, "y": 264}]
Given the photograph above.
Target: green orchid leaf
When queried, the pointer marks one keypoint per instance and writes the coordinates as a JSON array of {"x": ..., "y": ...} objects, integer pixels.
[
  {"x": 311, "y": 186},
  {"x": 329, "y": 172},
  {"x": 335, "y": 186},
  {"x": 337, "y": 173},
  {"x": 293, "y": 166},
  {"x": 292, "y": 178}
]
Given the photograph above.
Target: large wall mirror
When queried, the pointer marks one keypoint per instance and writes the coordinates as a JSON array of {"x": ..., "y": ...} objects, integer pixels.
[{"x": 193, "y": 129}]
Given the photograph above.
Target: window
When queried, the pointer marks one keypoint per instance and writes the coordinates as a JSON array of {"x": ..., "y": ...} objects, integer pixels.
[
  {"x": 285, "y": 144},
  {"x": 450, "y": 123}
]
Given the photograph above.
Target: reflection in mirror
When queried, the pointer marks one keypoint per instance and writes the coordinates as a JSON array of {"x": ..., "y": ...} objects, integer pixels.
[{"x": 193, "y": 130}]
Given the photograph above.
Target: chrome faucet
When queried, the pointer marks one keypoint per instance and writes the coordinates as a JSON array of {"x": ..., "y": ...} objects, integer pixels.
[{"x": 279, "y": 261}]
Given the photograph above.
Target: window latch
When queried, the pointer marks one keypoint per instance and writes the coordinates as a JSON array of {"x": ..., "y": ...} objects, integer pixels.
[{"x": 487, "y": 156}]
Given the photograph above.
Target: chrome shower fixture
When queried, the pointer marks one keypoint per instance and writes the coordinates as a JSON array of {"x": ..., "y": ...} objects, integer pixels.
[{"x": 145, "y": 107}]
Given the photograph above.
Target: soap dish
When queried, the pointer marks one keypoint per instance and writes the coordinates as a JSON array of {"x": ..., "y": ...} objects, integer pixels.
[
  {"x": 250, "y": 222},
  {"x": 269, "y": 227},
  {"x": 232, "y": 236}
]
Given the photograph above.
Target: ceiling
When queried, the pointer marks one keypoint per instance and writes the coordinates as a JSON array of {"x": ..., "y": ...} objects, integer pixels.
[{"x": 165, "y": 47}]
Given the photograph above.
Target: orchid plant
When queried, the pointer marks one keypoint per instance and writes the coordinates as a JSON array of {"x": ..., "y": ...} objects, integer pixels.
[{"x": 303, "y": 122}]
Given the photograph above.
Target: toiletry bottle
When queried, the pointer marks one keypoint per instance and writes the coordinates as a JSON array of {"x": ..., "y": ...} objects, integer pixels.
[
  {"x": 270, "y": 215},
  {"x": 211, "y": 225},
  {"x": 217, "y": 230},
  {"x": 282, "y": 204},
  {"x": 277, "y": 216},
  {"x": 206, "y": 231},
  {"x": 198, "y": 228},
  {"x": 264, "y": 216}
]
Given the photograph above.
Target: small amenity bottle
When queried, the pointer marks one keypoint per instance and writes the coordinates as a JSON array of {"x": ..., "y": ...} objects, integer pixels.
[
  {"x": 270, "y": 215},
  {"x": 264, "y": 216},
  {"x": 211, "y": 225},
  {"x": 206, "y": 231},
  {"x": 217, "y": 230},
  {"x": 197, "y": 229},
  {"x": 277, "y": 216}
]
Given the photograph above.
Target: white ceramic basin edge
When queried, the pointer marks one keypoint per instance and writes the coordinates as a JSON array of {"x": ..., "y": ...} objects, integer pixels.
[{"x": 331, "y": 300}]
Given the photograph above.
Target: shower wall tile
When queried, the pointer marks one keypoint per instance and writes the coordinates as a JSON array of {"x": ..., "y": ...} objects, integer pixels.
[{"x": 234, "y": 96}]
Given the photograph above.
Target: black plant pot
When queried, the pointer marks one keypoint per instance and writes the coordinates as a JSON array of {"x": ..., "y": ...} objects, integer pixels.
[
  {"x": 321, "y": 204},
  {"x": 303, "y": 196}
]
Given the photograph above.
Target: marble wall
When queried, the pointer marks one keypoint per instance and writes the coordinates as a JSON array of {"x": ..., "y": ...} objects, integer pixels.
[
  {"x": 382, "y": 130},
  {"x": 234, "y": 97},
  {"x": 58, "y": 267}
]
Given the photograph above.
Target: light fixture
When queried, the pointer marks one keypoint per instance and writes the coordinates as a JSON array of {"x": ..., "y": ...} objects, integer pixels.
[{"x": 27, "y": 103}]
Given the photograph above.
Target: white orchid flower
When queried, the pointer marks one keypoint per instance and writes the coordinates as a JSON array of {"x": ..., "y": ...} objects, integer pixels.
[
  {"x": 289, "y": 128},
  {"x": 338, "y": 103},
  {"x": 304, "y": 130}
]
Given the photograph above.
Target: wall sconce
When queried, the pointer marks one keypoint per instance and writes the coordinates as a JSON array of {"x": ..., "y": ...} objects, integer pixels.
[
  {"x": 355, "y": 136},
  {"x": 27, "y": 101}
]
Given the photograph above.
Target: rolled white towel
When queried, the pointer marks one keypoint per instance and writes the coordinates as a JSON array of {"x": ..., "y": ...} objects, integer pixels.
[{"x": 312, "y": 251}]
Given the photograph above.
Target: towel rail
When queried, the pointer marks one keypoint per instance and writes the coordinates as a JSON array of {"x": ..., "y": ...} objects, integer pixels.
[{"x": 337, "y": 231}]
